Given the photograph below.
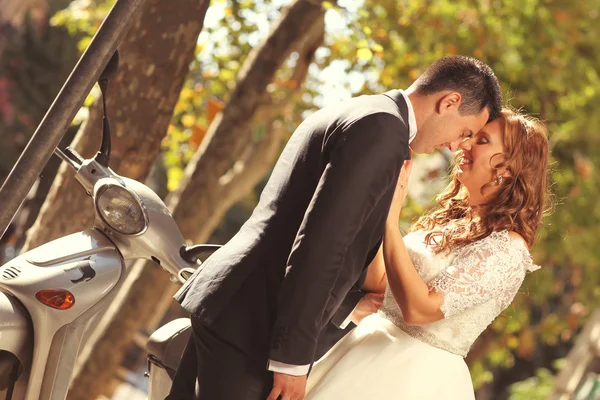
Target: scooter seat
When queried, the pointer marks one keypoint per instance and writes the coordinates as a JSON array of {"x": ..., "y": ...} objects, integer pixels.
[{"x": 166, "y": 345}]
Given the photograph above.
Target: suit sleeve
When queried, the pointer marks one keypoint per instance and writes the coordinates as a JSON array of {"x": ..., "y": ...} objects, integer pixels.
[
  {"x": 363, "y": 164},
  {"x": 341, "y": 317}
]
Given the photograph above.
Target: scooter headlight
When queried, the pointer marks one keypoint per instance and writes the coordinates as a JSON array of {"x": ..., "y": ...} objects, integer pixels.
[{"x": 121, "y": 210}]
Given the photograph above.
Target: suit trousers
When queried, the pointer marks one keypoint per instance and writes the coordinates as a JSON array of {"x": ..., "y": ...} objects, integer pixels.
[
  {"x": 222, "y": 371},
  {"x": 231, "y": 354},
  {"x": 184, "y": 382}
]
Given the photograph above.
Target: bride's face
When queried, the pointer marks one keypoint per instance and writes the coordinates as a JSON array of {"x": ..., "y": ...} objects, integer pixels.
[{"x": 480, "y": 155}]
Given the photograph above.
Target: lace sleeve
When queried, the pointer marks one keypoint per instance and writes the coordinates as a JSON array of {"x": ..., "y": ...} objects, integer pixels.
[{"x": 481, "y": 271}]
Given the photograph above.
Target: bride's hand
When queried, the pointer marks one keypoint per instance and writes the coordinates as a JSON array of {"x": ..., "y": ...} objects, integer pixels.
[{"x": 401, "y": 191}]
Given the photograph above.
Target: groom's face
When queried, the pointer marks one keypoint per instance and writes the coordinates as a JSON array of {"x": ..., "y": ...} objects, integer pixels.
[{"x": 447, "y": 127}]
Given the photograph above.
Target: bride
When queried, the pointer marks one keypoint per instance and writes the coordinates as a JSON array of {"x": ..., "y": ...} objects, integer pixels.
[{"x": 447, "y": 280}]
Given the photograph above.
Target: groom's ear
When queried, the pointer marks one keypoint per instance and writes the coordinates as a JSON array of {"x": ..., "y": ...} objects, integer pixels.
[{"x": 450, "y": 101}]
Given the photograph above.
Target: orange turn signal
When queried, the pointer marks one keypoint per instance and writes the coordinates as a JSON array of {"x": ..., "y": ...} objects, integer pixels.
[{"x": 56, "y": 298}]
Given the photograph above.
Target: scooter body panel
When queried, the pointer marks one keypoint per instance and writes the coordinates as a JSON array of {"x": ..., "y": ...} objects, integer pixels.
[{"x": 87, "y": 265}]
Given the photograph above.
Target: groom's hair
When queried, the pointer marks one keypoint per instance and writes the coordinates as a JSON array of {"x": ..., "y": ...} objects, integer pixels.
[{"x": 473, "y": 79}]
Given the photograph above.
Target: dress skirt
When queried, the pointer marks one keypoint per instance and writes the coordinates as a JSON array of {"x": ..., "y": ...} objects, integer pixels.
[{"x": 378, "y": 360}]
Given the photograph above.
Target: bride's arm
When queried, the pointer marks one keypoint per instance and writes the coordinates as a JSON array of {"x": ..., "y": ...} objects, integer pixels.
[{"x": 417, "y": 303}]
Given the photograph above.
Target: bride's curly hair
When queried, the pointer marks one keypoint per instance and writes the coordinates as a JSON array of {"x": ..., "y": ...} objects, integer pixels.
[{"x": 519, "y": 203}]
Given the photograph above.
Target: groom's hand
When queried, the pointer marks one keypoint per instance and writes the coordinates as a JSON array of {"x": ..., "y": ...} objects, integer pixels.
[
  {"x": 368, "y": 305},
  {"x": 287, "y": 387}
]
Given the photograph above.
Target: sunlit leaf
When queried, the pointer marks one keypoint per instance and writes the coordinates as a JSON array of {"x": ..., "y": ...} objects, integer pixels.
[
  {"x": 188, "y": 120},
  {"x": 364, "y": 54},
  {"x": 377, "y": 47}
]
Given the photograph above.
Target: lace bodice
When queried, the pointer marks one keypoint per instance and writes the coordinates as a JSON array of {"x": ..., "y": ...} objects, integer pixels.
[{"x": 478, "y": 282}]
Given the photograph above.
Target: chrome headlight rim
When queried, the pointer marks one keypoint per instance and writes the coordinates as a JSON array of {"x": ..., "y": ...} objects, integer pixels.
[{"x": 106, "y": 186}]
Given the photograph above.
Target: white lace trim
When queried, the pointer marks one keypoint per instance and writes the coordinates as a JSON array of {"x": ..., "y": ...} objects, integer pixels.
[{"x": 528, "y": 264}]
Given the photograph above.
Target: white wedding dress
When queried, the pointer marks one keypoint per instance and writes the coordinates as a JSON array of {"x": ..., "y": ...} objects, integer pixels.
[{"x": 385, "y": 358}]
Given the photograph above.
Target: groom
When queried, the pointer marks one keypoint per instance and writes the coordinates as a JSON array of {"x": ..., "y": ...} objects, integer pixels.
[{"x": 260, "y": 304}]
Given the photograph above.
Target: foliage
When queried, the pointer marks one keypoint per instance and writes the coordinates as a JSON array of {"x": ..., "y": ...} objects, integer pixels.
[
  {"x": 546, "y": 55},
  {"x": 544, "y": 52},
  {"x": 538, "y": 387},
  {"x": 82, "y": 18}
]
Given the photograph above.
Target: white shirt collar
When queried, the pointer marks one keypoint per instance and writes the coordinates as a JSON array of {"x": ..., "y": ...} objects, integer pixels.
[{"x": 412, "y": 120}]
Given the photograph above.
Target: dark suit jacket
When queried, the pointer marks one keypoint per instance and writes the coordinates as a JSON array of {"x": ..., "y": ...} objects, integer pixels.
[
  {"x": 276, "y": 284},
  {"x": 333, "y": 332}
]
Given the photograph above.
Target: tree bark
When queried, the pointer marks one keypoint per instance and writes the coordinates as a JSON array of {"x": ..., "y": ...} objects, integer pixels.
[
  {"x": 205, "y": 185},
  {"x": 32, "y": 205},
  {"x": 154, "y": 61}
]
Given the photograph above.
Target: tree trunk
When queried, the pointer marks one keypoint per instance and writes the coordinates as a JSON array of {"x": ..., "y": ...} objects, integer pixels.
[
  {"x": 154, "y": 61},
  {"x": 206, "y": 187},
  {"x": 199, "y": 195},
  {"x": 32, "y": 205}
]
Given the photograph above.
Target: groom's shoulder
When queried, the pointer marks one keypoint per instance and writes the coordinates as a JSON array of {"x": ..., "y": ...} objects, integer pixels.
[
  {"x": 367, "y": 105},
  {"x": 366, "y": 109}
]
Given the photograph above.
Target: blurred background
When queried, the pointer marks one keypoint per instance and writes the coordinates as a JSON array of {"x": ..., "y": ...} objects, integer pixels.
[{"x": 208, "y": 94}]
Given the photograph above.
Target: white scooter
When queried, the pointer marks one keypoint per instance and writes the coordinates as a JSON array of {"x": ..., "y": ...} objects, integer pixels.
[{"x": 49, "y": 294}]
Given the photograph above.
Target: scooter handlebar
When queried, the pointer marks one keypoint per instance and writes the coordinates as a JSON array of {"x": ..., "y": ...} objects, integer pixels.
[{"x": 198, "y": 252}]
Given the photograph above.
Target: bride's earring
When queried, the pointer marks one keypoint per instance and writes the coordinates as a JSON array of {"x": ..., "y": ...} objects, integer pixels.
[{"x": 499, "y": 179}]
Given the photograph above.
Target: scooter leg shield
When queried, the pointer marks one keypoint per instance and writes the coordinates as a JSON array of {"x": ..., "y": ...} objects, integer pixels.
[
  {"x": 15, "y": 329},
  {"x": 15, "y": 345},
  {"x": 165, "y": 348}
]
